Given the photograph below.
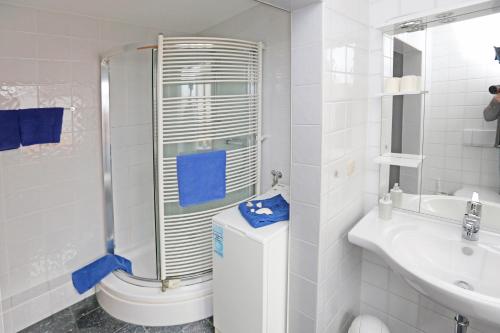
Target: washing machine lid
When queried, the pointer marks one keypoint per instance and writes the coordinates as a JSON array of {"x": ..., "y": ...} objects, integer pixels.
[{"x": 231, "y": 218}]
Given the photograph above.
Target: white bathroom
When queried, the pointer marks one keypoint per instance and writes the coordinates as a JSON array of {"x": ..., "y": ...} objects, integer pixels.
[{"x": 249, "y": 166}]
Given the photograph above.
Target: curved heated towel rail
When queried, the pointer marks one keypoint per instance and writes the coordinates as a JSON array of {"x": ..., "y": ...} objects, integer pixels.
[{"x": 208, "y": 98}]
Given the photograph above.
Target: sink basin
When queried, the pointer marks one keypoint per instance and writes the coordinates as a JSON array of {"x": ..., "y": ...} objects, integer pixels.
[{"x": 431, "y": 255}]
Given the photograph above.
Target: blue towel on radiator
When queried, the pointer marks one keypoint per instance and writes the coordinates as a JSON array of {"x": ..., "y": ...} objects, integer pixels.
[
  {"x": 201, "y": 177},
  {"x": 9, "y": 130},
  {"x": 277, "y": 204},
  {"x": 87, "y": 277},
  {"x": 42, "y": 125}
]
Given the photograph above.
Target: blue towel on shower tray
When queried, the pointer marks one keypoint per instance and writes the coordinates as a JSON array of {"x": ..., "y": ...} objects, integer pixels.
[
  {"x": 87, "y": 277},
  {"x": 255, "y": 211},
  {"x": 201, "y": 177}
]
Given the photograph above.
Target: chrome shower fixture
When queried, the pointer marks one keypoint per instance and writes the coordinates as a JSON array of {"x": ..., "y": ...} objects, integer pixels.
[{"x": 277, "y": 175}]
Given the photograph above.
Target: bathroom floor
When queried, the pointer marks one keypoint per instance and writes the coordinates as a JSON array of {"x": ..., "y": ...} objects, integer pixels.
[{"x": 88, "y": 317}]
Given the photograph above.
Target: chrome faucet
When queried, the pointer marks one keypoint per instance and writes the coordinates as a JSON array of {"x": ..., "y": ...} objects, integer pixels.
[{"x": 472, "y": 219}]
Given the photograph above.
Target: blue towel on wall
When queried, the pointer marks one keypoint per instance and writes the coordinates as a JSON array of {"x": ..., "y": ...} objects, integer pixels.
[
  {"x": 497, "y": 53},
  {"x": 87, "y": 277},
  {"x": 9, "y": 130},
  {"x": 278, "y": 205},
  {"x": 201, "y": 177},
  {"x": 42, "y": 125}
]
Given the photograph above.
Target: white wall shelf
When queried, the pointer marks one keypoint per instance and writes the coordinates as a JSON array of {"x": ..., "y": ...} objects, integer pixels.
[
  {"x": 403, "y": 93},
  {"x": 404, "y": 160}
]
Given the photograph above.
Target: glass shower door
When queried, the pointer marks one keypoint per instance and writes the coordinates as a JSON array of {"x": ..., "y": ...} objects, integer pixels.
[{"x": 131, "y": 158}]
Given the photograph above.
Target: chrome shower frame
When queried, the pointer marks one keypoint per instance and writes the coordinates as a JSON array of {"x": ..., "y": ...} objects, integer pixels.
[{"x": 109, "y": 224}]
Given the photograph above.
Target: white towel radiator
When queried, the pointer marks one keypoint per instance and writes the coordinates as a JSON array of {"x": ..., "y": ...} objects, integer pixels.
[{"x": 208, "y": 98}]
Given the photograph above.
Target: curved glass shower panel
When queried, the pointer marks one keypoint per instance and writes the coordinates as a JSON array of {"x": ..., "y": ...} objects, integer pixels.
[
  {"x": 131, "y": 134},
  {"x": 210, "y": 100}
]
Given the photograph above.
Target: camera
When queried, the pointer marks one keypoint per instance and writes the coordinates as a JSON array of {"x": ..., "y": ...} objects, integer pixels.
[{"x": 494, "y": 90}]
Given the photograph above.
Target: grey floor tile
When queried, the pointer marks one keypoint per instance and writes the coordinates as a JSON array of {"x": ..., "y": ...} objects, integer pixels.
[
  {"x": 88, "y": 317},
  {"x": 202, "y": 326},
  {"x": 165, "y": 329},
  {"x": 130, "y": 328},
  {"x": 61, "y": 322},
  {"x": 98, "y": 321},
  {"x": 85, "y": 306}
]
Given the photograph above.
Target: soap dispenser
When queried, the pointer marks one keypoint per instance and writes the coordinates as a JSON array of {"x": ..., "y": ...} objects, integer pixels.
[
  {"x": 396, "y": 195},
  {"x": 385, "y": 207}
]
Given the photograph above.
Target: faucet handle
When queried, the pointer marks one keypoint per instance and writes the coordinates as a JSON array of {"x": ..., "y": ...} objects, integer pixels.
[{"x": 474, "y": 206}]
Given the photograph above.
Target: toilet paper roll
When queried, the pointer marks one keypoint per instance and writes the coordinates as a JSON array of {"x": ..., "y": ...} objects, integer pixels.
[
  {"x": 391, "y": 85},
  {"x": 410, "y": 83}
]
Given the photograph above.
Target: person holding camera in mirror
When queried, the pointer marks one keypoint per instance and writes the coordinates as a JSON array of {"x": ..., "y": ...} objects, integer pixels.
[{"x": 492, "y": 111}]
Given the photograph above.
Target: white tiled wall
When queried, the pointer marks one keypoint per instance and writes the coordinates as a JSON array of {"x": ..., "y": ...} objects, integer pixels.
[
  {"x": 330, "y": 74},
  {"x": 272, "y": 27},
  {"x": 51, "y": 217},
  {"x": 345, "y": 101},
  {"x": 2, "y": 327},
  {"x": 306, "y": 177},
  {"x": 460, "y": 68}
]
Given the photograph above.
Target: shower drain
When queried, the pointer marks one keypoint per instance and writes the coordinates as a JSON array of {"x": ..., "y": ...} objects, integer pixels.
[{"x": 464, "y": 285}]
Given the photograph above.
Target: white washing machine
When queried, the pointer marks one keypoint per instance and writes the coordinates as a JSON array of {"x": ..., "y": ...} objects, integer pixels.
[{"x": 250, "y": 273}]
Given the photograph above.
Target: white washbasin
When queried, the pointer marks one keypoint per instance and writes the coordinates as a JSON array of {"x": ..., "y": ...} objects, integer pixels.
[{"x": 430, "y": 254}]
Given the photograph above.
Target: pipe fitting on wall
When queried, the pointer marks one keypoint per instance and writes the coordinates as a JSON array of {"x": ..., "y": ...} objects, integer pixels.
[{"x": 277, "y": 175}]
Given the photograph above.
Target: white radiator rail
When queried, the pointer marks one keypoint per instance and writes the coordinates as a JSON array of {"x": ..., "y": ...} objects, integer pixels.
[{"x": 202, "y": 63}]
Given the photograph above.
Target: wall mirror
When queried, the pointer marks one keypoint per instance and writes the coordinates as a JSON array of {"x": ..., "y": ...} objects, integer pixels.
[{"x": 438, "y": 145}]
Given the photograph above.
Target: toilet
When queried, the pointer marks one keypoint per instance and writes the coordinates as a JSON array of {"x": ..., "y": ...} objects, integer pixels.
[{"x": 368, "y": 324}]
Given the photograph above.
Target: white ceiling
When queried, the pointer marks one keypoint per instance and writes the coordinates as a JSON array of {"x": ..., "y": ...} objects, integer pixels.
[{"x": 189, "y": 16}]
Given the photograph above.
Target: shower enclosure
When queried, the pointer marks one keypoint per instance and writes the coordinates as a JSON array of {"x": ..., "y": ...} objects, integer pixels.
[{"x": 184, "y": 95}]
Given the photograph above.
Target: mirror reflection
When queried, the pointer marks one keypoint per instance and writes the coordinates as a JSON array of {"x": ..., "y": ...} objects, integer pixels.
[
  {"x": 449, "y": 126},
  {"x": 402, "y": 118}
]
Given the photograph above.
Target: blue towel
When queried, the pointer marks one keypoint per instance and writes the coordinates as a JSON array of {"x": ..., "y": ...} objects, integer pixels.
[
  {"x": 497, "y": 52},
  {"x": 9, "y": 130},
  {"x": 42, "y": 125},
  {"x": 279, "y": 206},
  {"x": 87, "y": 277},
  {"x": 201, "y": 177}
]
